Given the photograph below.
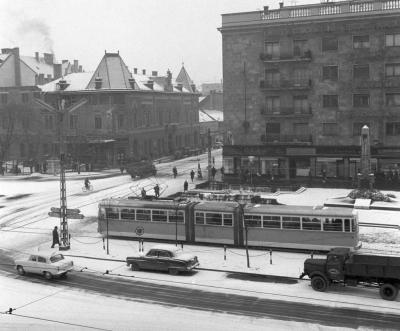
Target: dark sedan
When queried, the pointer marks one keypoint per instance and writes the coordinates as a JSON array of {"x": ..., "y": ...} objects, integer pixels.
[{"x": 164, "y": 258}]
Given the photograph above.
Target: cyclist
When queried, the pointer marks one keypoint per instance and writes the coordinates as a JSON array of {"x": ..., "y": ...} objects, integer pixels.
[{"x": 87, "y": 183}]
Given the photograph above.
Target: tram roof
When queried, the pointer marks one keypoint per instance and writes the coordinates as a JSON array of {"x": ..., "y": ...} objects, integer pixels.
[
  {"x": 302, "y": 210},
  {"x": 138, "y": 203},
  {"x": 216, "y": 206}
]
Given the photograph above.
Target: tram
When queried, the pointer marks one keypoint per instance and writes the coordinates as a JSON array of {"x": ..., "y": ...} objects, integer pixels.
[{"x": 228, "y": 222}]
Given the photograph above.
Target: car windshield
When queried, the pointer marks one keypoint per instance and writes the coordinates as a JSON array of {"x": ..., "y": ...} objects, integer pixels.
[{"x": 56, "y": 258}]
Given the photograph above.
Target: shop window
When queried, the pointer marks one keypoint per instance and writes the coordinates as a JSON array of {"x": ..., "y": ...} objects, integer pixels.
[
  {"x": 393, "y": 99},
  {"x": 329, "y": 44},
  {"x": 393, "y": 129},
  {"x": 330, "y": 101},
  {"x": 361, "y": 71},
  {"x": 392, "y": 40},
  {"x": 361, "y": 41},
  {"x": 392, "y": 69},
  {"x": 330, "y": 73},
  {"x": 357, "y": 128},
  {"x": 329, "y": 129},
  {"x": 360, "y": 100}
]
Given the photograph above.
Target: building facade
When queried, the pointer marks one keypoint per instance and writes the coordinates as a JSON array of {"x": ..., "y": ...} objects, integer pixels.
[
  {"x": 301, "y": 81},
  {"x": 113, "y": 116}
]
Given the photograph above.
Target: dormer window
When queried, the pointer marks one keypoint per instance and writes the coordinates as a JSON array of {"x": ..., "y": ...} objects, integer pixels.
[{"x": 98, "y": 83}]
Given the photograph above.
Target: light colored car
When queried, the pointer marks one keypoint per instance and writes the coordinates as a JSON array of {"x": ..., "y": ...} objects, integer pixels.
[
  {"x": 49, "y": 264},
  {"x": 164, "y": 258}
]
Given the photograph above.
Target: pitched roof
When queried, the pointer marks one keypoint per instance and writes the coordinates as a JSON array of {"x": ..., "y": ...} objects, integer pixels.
[
  {"x": 211, "y": 115},
  {"x": 184, "y": 78},
  {"x": 40, "y": 67}
]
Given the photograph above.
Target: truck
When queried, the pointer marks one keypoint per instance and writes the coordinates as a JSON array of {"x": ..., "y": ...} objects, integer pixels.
[
  {"x": 352, "y": 268},
  {"x": 141, "y": 169}
]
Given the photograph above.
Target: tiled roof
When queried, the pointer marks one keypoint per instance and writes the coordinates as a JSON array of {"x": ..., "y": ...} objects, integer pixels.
[{"x": 184, "y": 78}]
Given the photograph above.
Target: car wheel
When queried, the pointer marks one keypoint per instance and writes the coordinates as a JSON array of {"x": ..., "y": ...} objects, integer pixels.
[
  {"x": 135, "y": 267},
  {"x": 319, "y": 283},
  {"x": 20, "y": 270},
  {"x": 48, "y": 275},
  {"x": 173, "y": 271},
  {"x": 388, "y": 291}
]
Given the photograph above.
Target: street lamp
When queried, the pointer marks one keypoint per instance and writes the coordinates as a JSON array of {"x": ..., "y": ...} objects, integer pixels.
[{"x": 251, "y": 160}]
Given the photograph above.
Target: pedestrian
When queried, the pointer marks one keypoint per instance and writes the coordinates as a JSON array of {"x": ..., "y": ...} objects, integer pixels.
[
  {"x": 175, "y": 171},
  {"x": 55, "y": 237},
  {"x": 157, "y": 191},
  {"x": 213, "y": 172},
  {"x": 143, "y": 193},
  {"x": 185, "y": 185},
  {"x": 192, "y": 175}
]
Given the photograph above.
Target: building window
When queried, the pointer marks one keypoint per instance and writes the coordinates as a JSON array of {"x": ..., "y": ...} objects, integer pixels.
[
  {"x": 4, "y": 98},
  {"x": 25, "y": 97},
  {"x": 48, "y": 122},
  {"x": 393, "y": 99},
  {"x": 73, "y": 121},
  {"x": 330, "y": 73},
  {"x": 392, "y": 69},
  {"x": 272, "y": 49},
  {"x": 104, "y": 99},
  {"x": 360, "y": 100},
  {"x": 329, "y": 129},
  {"x": 301, "y": 77},
  {"x": 361, "y": 71},
  {"x": 361, "y": 41},
  {"x": 329, "y": 44},
  {"x": 272, "y": 78},
  {"x": 272, "y": 104},
  {"x": 118, "y": 99},
  {"x": 273, "y": 128},
  {"x": 97, "y": 122},
  {"x": 357, "y": 128},
  {"x": 299, "y": 47},
  {"x": 330, "y": 101},
  {"x": 120, "y": 121},
  {"x": 25, "y": 121},
  {"x": 301, "y": 129},
  {"x": 392, "y": 40},
  {"x": 393, "y": 129},
  {"x": 300, "y": 104}
]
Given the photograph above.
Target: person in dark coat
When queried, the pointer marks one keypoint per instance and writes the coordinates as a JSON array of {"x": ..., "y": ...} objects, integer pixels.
[
  {"x": 213, "y": 172},
  {"x": 143, "y": 193},
  {"x": 55, "y": 237},
  {"x": 157, "y": 191},
  {"x": 185, "y": 185},
  {"x": 192, "y": 175},
  {"x": 175, "y": 171}
]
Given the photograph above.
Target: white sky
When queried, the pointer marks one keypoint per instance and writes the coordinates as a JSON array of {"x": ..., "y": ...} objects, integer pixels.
[{"x": 149, "y": 34}]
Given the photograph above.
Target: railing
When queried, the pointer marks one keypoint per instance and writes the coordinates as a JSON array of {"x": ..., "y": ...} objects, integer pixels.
[
  {"x": 279, "y": 138},
  {"x": 286, "y": 111}
]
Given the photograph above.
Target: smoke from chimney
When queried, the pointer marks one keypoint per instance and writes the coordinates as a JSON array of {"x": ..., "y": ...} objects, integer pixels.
[{"x": 34, "y": 26}]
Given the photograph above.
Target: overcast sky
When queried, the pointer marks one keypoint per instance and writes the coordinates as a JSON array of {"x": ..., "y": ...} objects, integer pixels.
[{"x": 149, "y": 34}]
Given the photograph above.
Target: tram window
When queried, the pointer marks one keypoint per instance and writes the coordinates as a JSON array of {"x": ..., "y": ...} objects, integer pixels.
[
  {"x": 333, "y": 224},
  {"x": 213, "y": 218},
  {"x": 291, "y": 222},
  {"x": 353, "y": 225},
  {"x": 252, "y": 221},
  {"x": 311, "y": 223},
  {"x": 143, "y": 214},
  {"x": 172, "y": 216},
  {"x": 199, "y": 218},
  {"x": 128, "y": 214},
  {"x": 112, "y": 213},
  {"x": 347, "y": 227},
  {"x": 272, "y": 222},
  {"x": 160, "y": 215},
  {"x": 228, "y": 220}
]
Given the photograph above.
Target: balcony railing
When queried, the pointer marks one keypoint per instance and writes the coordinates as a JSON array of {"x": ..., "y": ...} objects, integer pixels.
[
  {"x": 286, "y": 111},
  {"x": 287, "y": 84},
  {"x": 287, "y": 139},
  {"x": 305, "y": 56}
]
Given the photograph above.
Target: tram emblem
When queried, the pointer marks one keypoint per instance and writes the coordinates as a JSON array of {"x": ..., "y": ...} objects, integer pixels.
[{"x": 139, "y": 230}]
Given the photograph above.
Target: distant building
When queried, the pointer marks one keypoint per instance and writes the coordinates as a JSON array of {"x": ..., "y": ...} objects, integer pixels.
[
  {"x": 211, "y": 120},
  {"x": 206, "y": 88},
  {"x": 212, "y": 100},
  {"x": 115, "y": 115},
  {"x": 301, "y": 81}
]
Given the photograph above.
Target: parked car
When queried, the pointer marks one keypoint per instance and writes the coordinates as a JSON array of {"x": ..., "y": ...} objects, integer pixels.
[
  {"x": 49, "y": 264},
  {"x": 164, "y": 258}
]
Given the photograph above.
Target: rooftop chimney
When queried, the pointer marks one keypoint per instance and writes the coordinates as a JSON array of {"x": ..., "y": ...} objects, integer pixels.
[
  {"x": 144, "y": 71},
  {"x": 150, "y": 84},
  {"x": 154, "y": 73},
  {"x": 17, "y": 66},
  {"x": 37, "y": 56},
  {"x": 281, "y": 5},
  {"x": 98, "y": 81},
  {"x": 179, "y": 86},
  {"x": 193, "y": 86},
  {"x": 80, "y": 68},
  {"x": 64, "y": 61},
  {"x": 48, "y": 58},
  {"x": 266, "y": 9},
  {"x": 62, "y": 84},
  {"x": 41, "y": 79},
  {"x": 6, "y": 50},
  {"x": 132, "y": 82},
  {"x": 135, "y": 71},
  {"x": 57, "y": 70},
  {"x": 76, "y": 66}
]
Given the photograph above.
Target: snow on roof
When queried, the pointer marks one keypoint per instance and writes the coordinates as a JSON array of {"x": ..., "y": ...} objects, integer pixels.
[
  {"x": 76, "y": 82},
  {"x": 40, "y": 67},
  {"x": 3, "y": 56},
  {"x": 211, "y": 115}
]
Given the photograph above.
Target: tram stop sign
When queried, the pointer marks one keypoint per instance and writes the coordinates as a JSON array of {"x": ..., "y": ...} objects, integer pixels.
[{"x": 139, "y": 231}]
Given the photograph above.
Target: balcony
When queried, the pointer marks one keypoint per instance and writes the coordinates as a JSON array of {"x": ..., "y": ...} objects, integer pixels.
[
  {"x": 287, "y": 112},
  {"x": 303, "y": 84},
  {"x": 286, "y": 57},
  {"x": 277, "y": 138}
]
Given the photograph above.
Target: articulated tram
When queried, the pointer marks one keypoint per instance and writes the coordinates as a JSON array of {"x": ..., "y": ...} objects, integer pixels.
[{"x": 228, "y": 222}]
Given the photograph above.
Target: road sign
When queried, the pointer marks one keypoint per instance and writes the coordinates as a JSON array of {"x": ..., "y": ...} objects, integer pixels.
[
  {"x": 70, "y": 216},
  {"x": 54, "y": 214},
  {"x": 139, "y": 230},
  {"x": 69, "y": 211}
]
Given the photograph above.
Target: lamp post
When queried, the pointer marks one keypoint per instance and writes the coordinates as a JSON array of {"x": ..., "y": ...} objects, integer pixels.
[
  {"x": 246, "y": 232},
  {"x": 251, "y": 160}
]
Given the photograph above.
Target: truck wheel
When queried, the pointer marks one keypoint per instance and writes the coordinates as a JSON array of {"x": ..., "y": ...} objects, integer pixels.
[
  {"x": 319, "y": 283},
  {"x": 388, "y": 291},
  {"x": 135, "y": 267},
  {"x": 20, "y": 270},
  {"x": 47, "y": 275}
]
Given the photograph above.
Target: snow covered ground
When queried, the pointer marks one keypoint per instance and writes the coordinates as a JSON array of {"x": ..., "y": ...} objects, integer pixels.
[{"x": 25, "y": 226}]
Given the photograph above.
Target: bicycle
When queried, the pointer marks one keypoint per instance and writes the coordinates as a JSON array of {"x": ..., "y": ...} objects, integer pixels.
[{"x": 87, "y": 189}]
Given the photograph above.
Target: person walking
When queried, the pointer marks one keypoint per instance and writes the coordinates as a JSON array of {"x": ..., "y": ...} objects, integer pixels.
[
  {"x": 213, "y": 172},
  {"x": 55, "y": 237},
  {"x": 192, "y": 175},
  {"x": 175, "y": 171},
  {"x": 157, "y": 191},
  {"x": 143, "y": 193},
  {"x": 185, "y": 186}
]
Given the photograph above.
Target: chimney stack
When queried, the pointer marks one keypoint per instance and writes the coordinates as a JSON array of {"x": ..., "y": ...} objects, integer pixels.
[
  {"x": 135, "y": 71},
  {"x": 98, "y": 82},
  {"x": 41, "y": 79},
  {"x": 179, "y": 86},
  {"x": 132, "y": 83},
  {"x": 17, "y": 67},
  {"x": 150, "y": 84},
  {"x": 154, "y": 73},
  {"x": 80, "y": 69},
  {"x": 62, "y": 84},
  {"x": 57, "y": 70},
  {"x": 144, "y": 72},
  {"x": 37, "y": 56},
  {"x": 48, "y": 58},
  {"x": 281, "y": 5},
  {"x": 6, "y": 50},
  {"x": 76, "y": 66}
]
